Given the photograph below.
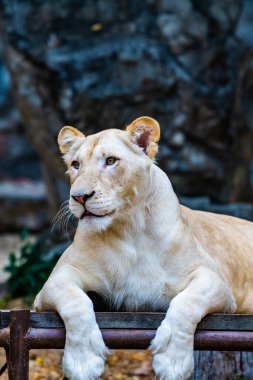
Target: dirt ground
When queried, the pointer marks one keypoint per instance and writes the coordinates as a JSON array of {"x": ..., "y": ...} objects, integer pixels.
[
  {"x": 121, "y": 365},
  {"x": 46, "y": 364}
]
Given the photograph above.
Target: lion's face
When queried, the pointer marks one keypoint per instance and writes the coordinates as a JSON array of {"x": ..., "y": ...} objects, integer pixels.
[{"x": 109, "y": 171}]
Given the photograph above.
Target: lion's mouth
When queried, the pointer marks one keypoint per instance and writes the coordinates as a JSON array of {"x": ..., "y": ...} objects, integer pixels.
[{"x": 87, "y": 213}]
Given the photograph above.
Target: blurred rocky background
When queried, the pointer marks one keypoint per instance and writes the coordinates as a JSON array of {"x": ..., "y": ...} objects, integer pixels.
[{"x": 100, "y": 64}]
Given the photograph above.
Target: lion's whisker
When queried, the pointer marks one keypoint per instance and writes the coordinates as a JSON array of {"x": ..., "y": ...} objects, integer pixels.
[{"x": 62, "y": 218}]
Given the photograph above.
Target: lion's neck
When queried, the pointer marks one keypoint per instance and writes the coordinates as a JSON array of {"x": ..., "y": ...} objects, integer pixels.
[
  {"x": 160, "y": 211},
  {"x": 156, "y": 215}
]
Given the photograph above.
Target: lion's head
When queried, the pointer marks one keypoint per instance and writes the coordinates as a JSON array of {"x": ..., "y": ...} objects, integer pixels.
[{"x": 109, "y": 171}]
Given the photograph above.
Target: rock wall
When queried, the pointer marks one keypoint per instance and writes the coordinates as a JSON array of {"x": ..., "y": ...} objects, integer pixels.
[
  {"x": 22, "y": 192},
  {"x": 100, "y": 64}
]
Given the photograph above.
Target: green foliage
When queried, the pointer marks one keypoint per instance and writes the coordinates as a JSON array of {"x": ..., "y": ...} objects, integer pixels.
[
  {"x": 30, "y": 268},
  {"x": 4, "y": 303}
]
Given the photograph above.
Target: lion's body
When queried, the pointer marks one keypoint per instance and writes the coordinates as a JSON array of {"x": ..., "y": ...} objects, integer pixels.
[
  {"x": 229, "y": 241},
  {"x": 142, "y": 251}
]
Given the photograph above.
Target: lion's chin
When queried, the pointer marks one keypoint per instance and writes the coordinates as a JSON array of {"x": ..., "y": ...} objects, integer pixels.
[{"x": 92, "y": 224}]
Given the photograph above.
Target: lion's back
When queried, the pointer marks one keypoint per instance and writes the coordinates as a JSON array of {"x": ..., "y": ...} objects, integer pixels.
[{"x": 229, "y": 241}]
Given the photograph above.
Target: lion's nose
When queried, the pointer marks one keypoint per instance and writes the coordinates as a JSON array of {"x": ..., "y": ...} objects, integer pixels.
[{"x": 82, "y": 198}]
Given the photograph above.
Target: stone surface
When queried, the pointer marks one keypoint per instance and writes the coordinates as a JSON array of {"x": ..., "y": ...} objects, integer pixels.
[
  {"x": 19, "y": 167},
  {"x": 23, "y": 204},
  {"x": 239, "y": 210},
  {"x": 17, "y": 157},
  {"x": 100, "y": 64}
]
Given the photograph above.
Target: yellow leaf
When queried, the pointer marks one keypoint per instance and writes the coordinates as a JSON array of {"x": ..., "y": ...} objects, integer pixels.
[
  {"x": 39, "y": 360},
  {"x": 96, "y": 27},
  {"x": 138, "y": 356},
  {"x": 118, "y": 376},
  {"x": 112, "y": 360}
]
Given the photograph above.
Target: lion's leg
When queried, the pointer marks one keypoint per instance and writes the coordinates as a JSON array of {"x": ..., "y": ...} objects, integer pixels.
[
  {"x": 172, "y": 346},
  {"x": 85, "y": 350}
]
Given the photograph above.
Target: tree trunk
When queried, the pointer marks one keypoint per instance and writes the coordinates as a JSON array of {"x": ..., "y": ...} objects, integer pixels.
[{"x": 213, "y": 365}]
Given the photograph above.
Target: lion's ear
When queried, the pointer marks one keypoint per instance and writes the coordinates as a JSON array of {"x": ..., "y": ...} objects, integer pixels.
[
  {"x": 68, "y": 136},
  {"x": 145, "y": 132}
]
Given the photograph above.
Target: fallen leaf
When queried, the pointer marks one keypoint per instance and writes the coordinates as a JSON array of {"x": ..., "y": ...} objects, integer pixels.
[
  {"x": 139, "y": 356},
  {"x": 96, "y": 27},
  {"x": 145, "y": 369},
  {"x": 112, "y": 360},
  {"x": 39, "y": 360},
  {"x": 118, "y": 376}
]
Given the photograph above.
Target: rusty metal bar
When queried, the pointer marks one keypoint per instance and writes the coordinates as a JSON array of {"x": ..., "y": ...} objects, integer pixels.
[
  {"x": 114, "y": 338},
  {"x": 140, "y": 339},
  {"x": 18, "y": 361},
  {"x": 45, "y": 338},
  {"x": 224, "y": 340}
]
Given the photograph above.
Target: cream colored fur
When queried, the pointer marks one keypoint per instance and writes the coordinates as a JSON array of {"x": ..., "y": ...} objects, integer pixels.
[{"x": 147, "y": 252}]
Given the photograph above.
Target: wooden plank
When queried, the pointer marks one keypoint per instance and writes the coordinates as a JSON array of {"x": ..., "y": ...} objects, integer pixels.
[
  {"x": 128, "y": 320},
  {"x": 105, "y": 320},
  {"x": 140, "y": 320},
  {"x": 227, "y": 322}
]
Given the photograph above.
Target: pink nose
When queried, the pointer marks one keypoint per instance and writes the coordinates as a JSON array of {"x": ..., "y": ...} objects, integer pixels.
[{"x": 82, "y": 198}]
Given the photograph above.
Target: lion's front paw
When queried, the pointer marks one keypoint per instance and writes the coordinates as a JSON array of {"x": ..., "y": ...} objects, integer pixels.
[
  {"x": 81, "y": 364},
  {"x": 84, "y": 358},
  {"x": 173, "y": 366},
  {"x": 172, "y": 354}
]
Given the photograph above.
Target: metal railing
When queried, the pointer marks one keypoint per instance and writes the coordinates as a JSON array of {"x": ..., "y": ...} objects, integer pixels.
[{"x": 23, "y": 330}]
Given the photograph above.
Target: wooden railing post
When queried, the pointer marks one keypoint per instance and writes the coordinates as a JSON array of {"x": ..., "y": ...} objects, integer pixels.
[{"x": 18, "y": 361}]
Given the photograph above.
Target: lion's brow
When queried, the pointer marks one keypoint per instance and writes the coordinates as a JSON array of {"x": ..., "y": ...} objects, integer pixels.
[{"x": 92, "y": 147}]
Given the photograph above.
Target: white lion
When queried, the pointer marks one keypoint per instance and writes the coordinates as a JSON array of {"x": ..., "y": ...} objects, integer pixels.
[{"x": 137, "y": 247}]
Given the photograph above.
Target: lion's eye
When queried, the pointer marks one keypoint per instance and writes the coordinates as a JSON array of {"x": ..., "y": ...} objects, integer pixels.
[
  {"x": 75, "y": 164},
  {"x": 110, "y": 160}
]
